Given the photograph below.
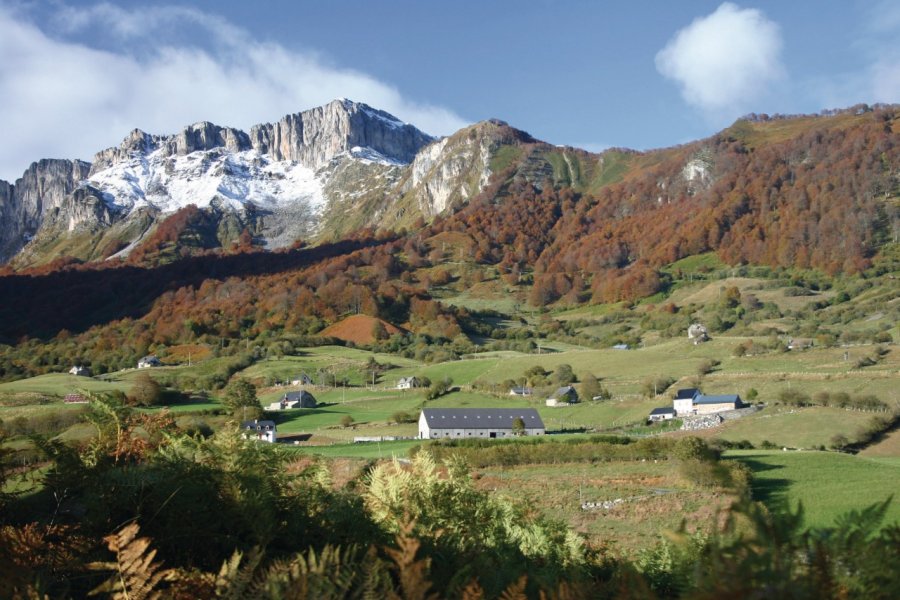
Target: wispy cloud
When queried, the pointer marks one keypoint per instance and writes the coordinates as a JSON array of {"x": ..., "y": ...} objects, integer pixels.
[
  {"x": 62, "y": 98},
  {"x": 725, "y": 61}
]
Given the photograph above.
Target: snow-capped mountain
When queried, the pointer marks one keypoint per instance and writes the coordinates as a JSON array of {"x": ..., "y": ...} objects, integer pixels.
[{"x": 280, "y": 173}]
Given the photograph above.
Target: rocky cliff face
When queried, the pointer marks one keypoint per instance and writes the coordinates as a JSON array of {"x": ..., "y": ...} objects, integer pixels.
[
  {"x": 46, "y": 187},
  {"x": 316, "y": 136}
]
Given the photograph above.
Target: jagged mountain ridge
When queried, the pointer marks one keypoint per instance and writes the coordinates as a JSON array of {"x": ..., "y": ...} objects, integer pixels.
[{"x": 282, "y": 169}]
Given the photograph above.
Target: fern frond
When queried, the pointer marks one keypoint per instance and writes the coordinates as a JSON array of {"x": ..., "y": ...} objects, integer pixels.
[
  {"x": 136, "y": 576},
  {"x": 234, "y": 579},
  {"x": 515, "y": 591},
  {"x": 413, "y": 574}
]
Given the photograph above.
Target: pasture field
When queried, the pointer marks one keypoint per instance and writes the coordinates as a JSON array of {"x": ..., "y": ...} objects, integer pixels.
[
  {"x": 60, "y": 384},
  {"x": 807, "y": 427},
  {"x": 828, "y": 484}
]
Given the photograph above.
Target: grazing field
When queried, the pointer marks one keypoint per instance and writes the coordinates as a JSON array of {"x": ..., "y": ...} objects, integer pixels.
[
  {"x": 793, "y": 427},
  {"x": 60, "y": 384},
  {"x": 827, "y": 483}
]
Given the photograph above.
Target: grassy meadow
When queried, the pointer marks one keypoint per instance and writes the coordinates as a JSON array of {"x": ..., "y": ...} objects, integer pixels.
[{"x": 827, "y": 484}]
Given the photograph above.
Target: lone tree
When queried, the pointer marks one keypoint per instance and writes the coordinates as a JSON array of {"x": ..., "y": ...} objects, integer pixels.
[
  {"x": 518, "y": 426},
  {"x": 145, "y": 391},
  {"x": 590, "y": 387},
  {"x": 240, "y": 398}
]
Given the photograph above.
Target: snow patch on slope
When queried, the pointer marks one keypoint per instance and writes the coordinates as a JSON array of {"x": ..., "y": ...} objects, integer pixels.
[{"x": 169, "y": 183}]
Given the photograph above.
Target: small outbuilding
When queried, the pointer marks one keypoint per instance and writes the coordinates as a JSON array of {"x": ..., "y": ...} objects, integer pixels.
[
  {"x": 661, "y": 414},
  {"x": 263, "y": 431},
  {"x": 80, "y": 371},
  {"x": 483, "y": 423}
]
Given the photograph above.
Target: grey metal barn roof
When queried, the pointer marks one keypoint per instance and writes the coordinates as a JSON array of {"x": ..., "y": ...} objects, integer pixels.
[
  {"x": 294, "y": 396},
  {"x": 480, "y": 418},
  {"x": 666, "y": 410},
  {"x": 725, "y": 399}
]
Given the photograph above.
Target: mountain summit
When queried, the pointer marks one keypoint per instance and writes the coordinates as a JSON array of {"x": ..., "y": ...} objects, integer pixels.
[{"x": 273, "y": 180}]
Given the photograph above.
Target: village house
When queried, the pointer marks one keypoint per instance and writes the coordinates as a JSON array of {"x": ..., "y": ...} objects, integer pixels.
[
  {"x": 259, "y": 430},
  {"x": 684, "y": 400},
  {"x": 483, "y": 423},
  {"x": 408, "y": 383},
  {"x": 563, "y": 395},
  {"x": 80, "y": 371},
  {"x": 661, "y": 414},
  {"x": 301, "y": 399},
  {"x": 148, "y": 362}
]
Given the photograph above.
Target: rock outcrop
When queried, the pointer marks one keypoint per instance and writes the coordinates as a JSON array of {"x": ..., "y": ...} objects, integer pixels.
[
  {"x": 314, "y": 137},
  {"x": 46, "y": 187}
]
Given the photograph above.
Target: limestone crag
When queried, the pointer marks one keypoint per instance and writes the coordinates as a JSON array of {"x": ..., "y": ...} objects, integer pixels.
[
  {"x": 46, "y": 186},
  {"x": 454, "y": 169},
  {"x": 315, "y": 136}
]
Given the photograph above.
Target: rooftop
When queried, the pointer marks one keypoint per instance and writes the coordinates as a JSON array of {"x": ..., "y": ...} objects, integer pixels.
[{"x": 480, "y": 418}]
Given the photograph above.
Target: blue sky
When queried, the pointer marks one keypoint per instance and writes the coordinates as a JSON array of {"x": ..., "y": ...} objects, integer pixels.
[{"x": 76, "y": 77}]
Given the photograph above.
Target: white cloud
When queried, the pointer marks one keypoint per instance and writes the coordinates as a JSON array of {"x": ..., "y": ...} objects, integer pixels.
[
  {"x": 60, "y": 98},
  {"x": 883, "y": 48},
  {"x": 725, "y": 61}
]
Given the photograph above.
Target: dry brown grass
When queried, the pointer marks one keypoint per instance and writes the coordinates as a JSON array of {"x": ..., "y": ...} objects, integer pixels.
[{"x": 358, "y": 329}]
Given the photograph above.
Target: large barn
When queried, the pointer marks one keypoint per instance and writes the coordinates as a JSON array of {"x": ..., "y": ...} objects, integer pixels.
[{"x": 460, "y": 423}]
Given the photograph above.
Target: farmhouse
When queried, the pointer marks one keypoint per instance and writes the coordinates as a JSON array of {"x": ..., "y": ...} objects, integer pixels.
[
  {"x": 484, "y": 423},
  {"x": 408, "y": 383},
  {"x": 80, "y": 371},
  {"x": 259, "y": 430},
  {"x": 684, "y": 400},
  {"x": 563, "y": 395},
  {"x": 521, "y": 391},
  {"x": 661, "y": 414},
  {"x": 301, "y": 399},
  {"x": 148, "y": 361}
]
